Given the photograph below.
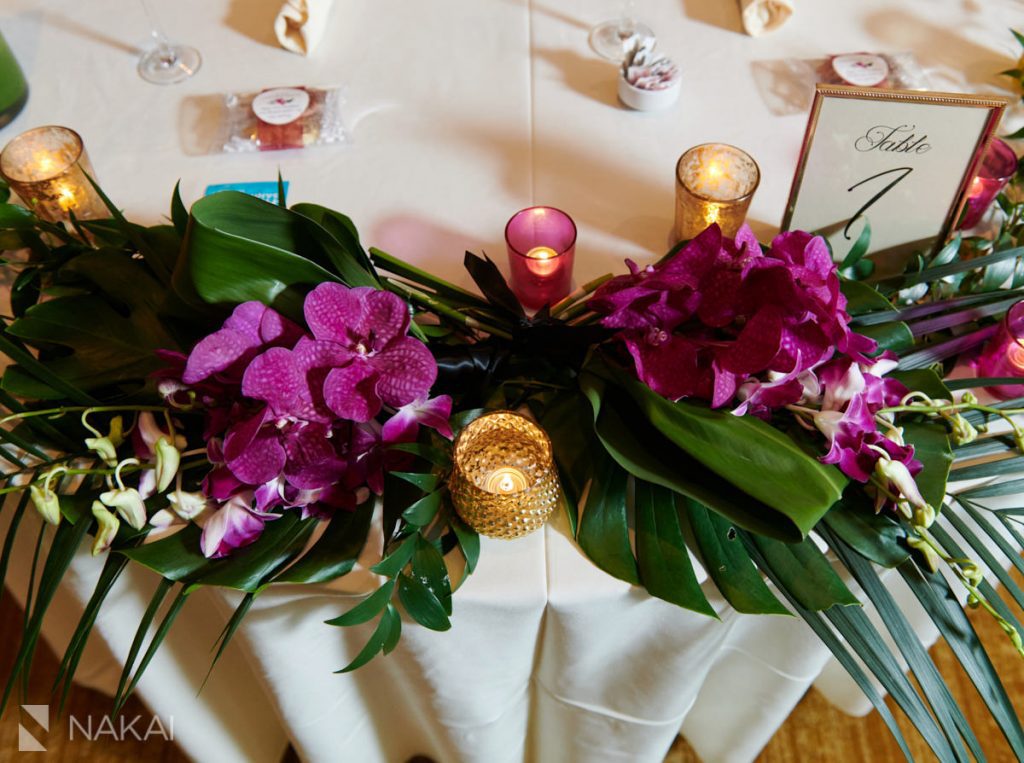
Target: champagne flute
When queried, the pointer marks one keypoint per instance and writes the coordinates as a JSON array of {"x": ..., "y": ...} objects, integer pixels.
[
  {"x": 167, "y": 63},
  {"x": 609, "y": 38}
]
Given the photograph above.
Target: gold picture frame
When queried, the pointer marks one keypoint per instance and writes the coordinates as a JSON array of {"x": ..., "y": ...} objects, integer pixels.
[{"x": 853, "y": 131}]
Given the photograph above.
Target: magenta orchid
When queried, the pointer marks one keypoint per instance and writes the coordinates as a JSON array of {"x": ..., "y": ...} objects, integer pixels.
[
  {"x": 722, "y": 314},
  {"x": 292, "y": 416}
]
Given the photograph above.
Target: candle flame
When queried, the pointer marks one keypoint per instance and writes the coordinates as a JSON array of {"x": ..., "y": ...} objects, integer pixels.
[
  {"x": 506, "y": 480},
  {"x": 66, "y": 197}
]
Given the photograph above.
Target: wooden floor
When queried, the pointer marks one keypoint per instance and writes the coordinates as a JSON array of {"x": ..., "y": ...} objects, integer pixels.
[{"x": 814, "y": 732}]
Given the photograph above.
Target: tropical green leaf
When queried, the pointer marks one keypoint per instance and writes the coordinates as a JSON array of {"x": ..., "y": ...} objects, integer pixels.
[
  {"x": 877, "y": 537},
  {"x": 645, "y": 453},
  {"x": 931, "y": 448},
  {"x": 805, "y": 573},
  {"x": 664, "y": 562},
  {"x": 174, "y": 557},
  {"x": 337, "y": 550},
  {"x": 895, "y": 335},
  {"x": 862, "y": 299},
  {"x": 945, "y": 708},
  {"x": 241, "y": 248},
  {"x": 340, "y": 241},
  {"x": 933, "y": 593},
  {"x": 426, "y": 482},
  {"x": 604, "y": 530},
  {"x": 761, "y": 461},
  {"x": 154, "y": 645},
  {"x": 841, "y": 653},
  {"x": 727, "y": 561},
  {"x": 251, "y": 567},
  {"x": 159, "y": 594}
]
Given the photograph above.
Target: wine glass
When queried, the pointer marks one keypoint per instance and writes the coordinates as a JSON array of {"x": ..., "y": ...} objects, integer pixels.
[
  {"x": 167, "y": 63},
  {"x": 609, "y": 39}
]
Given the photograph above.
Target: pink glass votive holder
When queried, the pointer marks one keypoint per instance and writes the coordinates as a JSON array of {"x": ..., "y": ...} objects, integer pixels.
[
  {"x": 996, "y": 169},
  {"x": 541, "y": 245},
  {"x": 1004, "y": 354}
]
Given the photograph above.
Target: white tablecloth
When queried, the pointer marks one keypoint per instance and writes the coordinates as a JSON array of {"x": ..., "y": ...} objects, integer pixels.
[{"x": 462, "y": 112}]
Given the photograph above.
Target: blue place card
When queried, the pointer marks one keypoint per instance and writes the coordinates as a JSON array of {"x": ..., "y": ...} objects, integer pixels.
[{"x": 266, "y": 191}]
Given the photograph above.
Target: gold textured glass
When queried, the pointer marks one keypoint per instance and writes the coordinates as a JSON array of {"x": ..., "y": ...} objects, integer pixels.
[
  {"x": 504, "y": 483},
  {"x": 714, "y": 184},
  {"x": 46, "y": 167}
]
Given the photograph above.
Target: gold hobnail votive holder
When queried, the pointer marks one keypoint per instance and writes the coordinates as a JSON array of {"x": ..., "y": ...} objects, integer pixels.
[
  {"x": 504, "y": 483},
  {"x": 714, "y": 184},
  {"x": 47, "y": 168}
]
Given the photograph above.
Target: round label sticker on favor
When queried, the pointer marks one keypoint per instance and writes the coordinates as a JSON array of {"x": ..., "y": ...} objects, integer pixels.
[
  {"x": 861, "y": 69},
  {"x": 280, "y": 105}
]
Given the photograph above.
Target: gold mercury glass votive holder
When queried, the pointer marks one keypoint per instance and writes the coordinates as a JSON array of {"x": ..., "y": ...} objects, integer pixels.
[
  {"x": 504, "y": 483},
  {"x": 46, "y": 167},
  {"x": 714, "y": 184}
]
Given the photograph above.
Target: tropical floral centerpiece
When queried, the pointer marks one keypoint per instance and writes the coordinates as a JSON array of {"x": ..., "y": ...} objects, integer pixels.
[{"x": 226, "y": 400}]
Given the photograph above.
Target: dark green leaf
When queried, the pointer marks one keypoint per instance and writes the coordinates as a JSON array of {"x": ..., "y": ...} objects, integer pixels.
[
  {"x": 727, "y": 561},
  {"x": 421, "y": 603},
  {"x": 895, "y": 336},
  {"x": 337, "y": 235},
  {"x": 251, "y": 567},
  {"x": 604, "y": 530},
  {"x": 159, "y": 594},
  {"x": 805, "y": 573},
  {"x": 241, "y": 248},
  {"x": 384, "y": 636},
  {"x": 428, "y": 483},
  {"x": 863, "y": 299},
  {"x": 179, "y": 215},
  {"x": 422, "y": 512},
  {"x": 395, "y": 562},
  {"x": 368, "y": 608},
  {"x": 860, "y": 246},
  {"x": 661, "y": 554},
  {"x": 874, "y": 536},
  {"x": 931, "y": 448},
  {"x": 174, "y": 557},
  {"x": 429, "y": 568},
  {"x": 492, "y": 283},
  {"x": 469, "y": 542},
  {"x": 337, "y": 550}
]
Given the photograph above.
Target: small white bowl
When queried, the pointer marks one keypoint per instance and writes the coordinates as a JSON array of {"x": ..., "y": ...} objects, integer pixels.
[{"x": 648, "y": 100}]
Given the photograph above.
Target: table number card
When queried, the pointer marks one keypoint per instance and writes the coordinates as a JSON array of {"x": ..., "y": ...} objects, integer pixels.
[{"x": 900, "y": 160}]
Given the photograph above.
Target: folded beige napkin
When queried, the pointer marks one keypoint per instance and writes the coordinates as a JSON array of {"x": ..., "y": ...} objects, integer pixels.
[
  {"x": 301, "y": 23},
  {"x": 760, "y": 16}
]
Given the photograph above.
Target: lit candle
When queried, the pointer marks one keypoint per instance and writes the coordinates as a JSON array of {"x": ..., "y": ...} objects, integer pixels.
[
  {"x": 1004, "y": 354},
  {"x": 504, "y": 483},
  {"x": 541, "y": 244},
  {"x": 506, "y": 479},
  {"x": 997, "y": 167},
  {"x": 47, "y": 168},
  {"x": 714, "y": 184}
]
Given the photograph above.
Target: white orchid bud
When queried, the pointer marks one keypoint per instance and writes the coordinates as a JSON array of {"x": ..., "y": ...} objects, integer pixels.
[
  {"x": 47, "y": 503},
  {"x": 827, "y": 423},
  {"x": 168, "y": 458},
  {"x": 129, "y": 505},
  {"x": 931, "y": 559},
  {"x": 187, "y": 505},
  {"x": 106, "y": 530}
]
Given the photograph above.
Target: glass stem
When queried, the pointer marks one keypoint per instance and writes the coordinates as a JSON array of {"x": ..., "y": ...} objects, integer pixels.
[
  {"x": 165, "y": 51},
  {"x": 627, "y": 22}
]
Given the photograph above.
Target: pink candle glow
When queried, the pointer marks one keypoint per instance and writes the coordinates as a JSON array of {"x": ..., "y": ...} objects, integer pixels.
[
  {"x": 1004, "y": 354},
  {"x": 541, "y": 245},
  {"x": 994, "y": 173}
]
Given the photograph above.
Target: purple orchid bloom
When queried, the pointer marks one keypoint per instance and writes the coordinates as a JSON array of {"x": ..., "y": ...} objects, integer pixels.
[
  {"x": 374, "y": 363},
  {"x": 233, "y": 525},
  {"x": 251, "y": 327},
  {"x": 405, "y": 424}
]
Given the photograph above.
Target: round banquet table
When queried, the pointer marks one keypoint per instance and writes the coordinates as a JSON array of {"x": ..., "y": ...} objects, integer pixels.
[{"x": 461, "y": 112}]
